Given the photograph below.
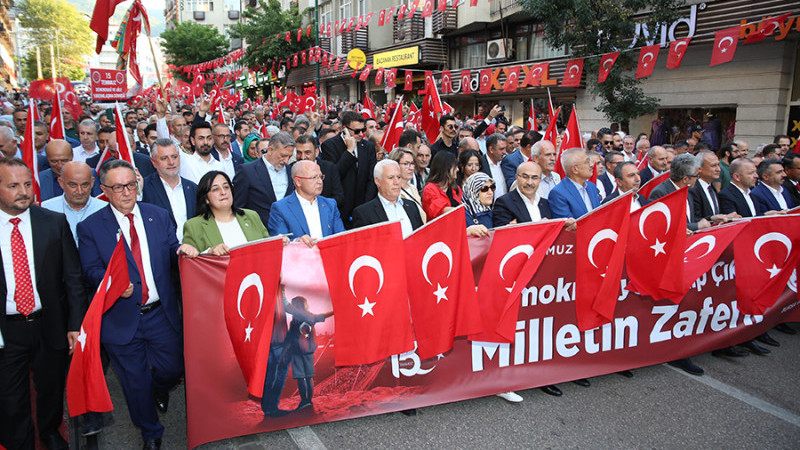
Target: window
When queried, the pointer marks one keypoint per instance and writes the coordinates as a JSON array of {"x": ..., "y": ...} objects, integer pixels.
[
  {"x": 540, "y": 50},
  {"x": 231, "y": 5},
  {"x": 344, "y": 10},
  {"x": 325, "y": 14},
  {"x": 362, "y": 7},
  {"x": 200, "y": 5}
]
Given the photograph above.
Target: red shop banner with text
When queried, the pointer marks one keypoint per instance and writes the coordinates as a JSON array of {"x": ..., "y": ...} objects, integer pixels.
[
  {"x": 548, "y": 348},
  {"x": 108, "y": 84}
]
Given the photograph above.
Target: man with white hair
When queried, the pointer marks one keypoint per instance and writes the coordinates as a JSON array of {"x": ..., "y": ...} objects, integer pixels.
[
  {"x": 8, "y": 143},
  {"x": 388, "y": 205},
  {"x": 575, "y": 195},
  {"x": 87, "y": 132},
  {"x": 656, "y": 162},
  {"x": 544, "y": 154}
]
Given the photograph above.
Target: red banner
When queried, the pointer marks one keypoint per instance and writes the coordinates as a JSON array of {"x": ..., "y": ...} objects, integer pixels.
[
  {"x": 548, "y": 347},
  {"x": 108, "y": 84}
]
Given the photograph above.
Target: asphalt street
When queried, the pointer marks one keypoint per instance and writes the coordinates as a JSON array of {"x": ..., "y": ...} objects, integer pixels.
[{"x": 750, "y": 402}]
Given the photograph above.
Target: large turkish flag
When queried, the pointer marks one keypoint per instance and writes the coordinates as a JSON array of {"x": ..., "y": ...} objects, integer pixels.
[{"x": 367, "y": 282}]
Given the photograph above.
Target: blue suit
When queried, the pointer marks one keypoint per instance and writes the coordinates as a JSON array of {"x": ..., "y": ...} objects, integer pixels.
[
  {"x": 509, "y": 166},
  {"x": 154, "y": 193},
  {"x": 146, "y": 348},
  {"x": 286, "y": 216},
  {"x": 566, "y": 201},
  {"x": 49, "y": 187},
  {"x": 767, "y": 202}
]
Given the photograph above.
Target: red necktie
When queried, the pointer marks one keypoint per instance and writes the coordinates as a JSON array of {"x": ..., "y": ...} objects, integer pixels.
[
  {"x": 23, "y": 292},
  {"x": 137, "y": 256}
]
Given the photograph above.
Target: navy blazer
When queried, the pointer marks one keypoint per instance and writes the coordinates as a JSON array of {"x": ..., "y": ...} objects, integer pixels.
[
  {"x": 731, "y": 200},
  {"x": 609, "y": 188},
  {"x": 646, "y": 175},
  {"x": 789, "y": 186},
  {"x": 511, "y": 206},
  {"x": 252, "y": 188},
  {"x": 700, "y": 207},
  {"x": 98, "y": 237},
  {"x": 355, "y": 174},
  {"x": 49, "y": 187},
  {"x": 566, "y": 201},
  {"x": 154, "y": 193},
  {"x": 286, "y": 216},
  {"x": 372, "y": 212},
  {"x": 762, "y": 195},
  {"x": 140, "y": 160},
  {"x": 642, "y": 199},
  {"x": 509, "y": 166},
  {"x": 237, "y": 159}
]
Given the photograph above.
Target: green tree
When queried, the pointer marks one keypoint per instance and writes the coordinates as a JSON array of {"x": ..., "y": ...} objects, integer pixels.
[
  {"x": 55, "y": 22},
  {"x": 594, "y": 27},
  {"x": 190, "y": 43},
  {"x": 266, "y": 23}
]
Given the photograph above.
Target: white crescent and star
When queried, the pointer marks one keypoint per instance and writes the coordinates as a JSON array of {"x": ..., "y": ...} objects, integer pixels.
[
  {"x": 709, "y": 241},
  {"x": 656, "y": 207},
  {"x": 645, "y": 59},
  {"x": 605, "y": 233},
  {"x": 678, "y": 46},
  {"x": 577, "y": 69},
  {"x": 608, "y": 60},
  {"x": 485, "y": 77},
  {"x": 769, "y": 237},
  {"x": 434, "y": 249},
  {"x": 726, "y": 38},
  {"x": 251, "y": 280},
  {"x": 373, "y": 263},
  {"x": 520, "y": 249},
  {"x": 82, "y": 338}
]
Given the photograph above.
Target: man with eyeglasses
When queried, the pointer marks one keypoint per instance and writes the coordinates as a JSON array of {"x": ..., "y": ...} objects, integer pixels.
[
  {"x": 355, "y": 158},
  {"x": 306, "y": 149},
  {"x": 307, "y": 215},
  {"x": 221, "y": 150},
  {"x": 142, "y": 331},
  {"x": 608, "y": 180},
  {"x": 522, "y": 204},
  {"x": 447, "y": 136},
  {"x": 194, "y": 166}
]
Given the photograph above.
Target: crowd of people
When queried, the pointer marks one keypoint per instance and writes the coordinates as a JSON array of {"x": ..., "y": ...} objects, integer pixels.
[{"x": 200, "y": 183}]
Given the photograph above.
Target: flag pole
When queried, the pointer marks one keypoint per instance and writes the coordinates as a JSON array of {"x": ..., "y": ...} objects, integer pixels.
[{"x": 155, "y": 64}]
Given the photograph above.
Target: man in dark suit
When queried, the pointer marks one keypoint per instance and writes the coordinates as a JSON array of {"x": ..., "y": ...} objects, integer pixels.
[
  {"x": 258, "y": 184},
  {"x": 222, "y": 149},
  {"x": 58, "y": 153},
  {"x": 608, "y": 179},
  {"x": 791, "y": 165},
  {"x": 522, "y": 204},
  {"x": 626, "y": 177},
  {"x": 355, "y": 158},
  {"x": 735, "y": 197},
  {"x": 388, "y": 205},
  {"x": 683, "y": 173},
  {"x": 656, "y": 163},
  {"x": 703, "y": 200},
  {"x": 44, "y": 302},
  {"x": 770, "y": 192},
  {"x": 108, "y": 136},
  {"x": 167, "y": 189},
  {"x": 575, "y": 195},
  {"x": 142, "y": 331},
  {"x": 306, "y": 148}
]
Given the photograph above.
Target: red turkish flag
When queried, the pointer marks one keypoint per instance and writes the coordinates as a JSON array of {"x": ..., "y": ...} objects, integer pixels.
[
  {"x": 45, "y": 89},
  {"x": 359, "y": 22},
  {"x": 517, "y": 252},
  {"x": 647, "y": 60},
  {"x": 308, "y": 31},
  {"x": 124, "y": 147},
  {"x": 251, "y": 303},
  {"x": 367, "y": 19},
  {"x": 72, "y": 103},
  {"x": 466, "y": 81},
  {"x": 447, "y": 82},
  {"x": 530, "y": 124},
  {"x": 650, "y": 185},
  {"x": 368, "y": 291},
  {"x": 401, "y": 12},
  {"x": 485, "y": 85},
  {"x": 606, "y": 63},
  {"x": 600, "y": 249},
  {"x": 442, "y": 293},
  {"x": 703, "y": 249},
  {"x": 442, "y": 6},
  {"x": 407, "y": 86},
  {"x": 724, "y": 45},
  {"x": 391, "y": 78},
  {"x": 288, "y": 37},
  {"x": 658, "y": 239},
  {"x": 338, "y": 61},
  {"x": 572, "y": 139},
  {"x": 473, "y": 2},
  {"x": 369, "y": 107},
  {"x": 395, "y": 128},
  {"x": 86, "y": 383},
  {"x": 512, "y": 79},
  {"x": 103, "y": 10},
  {"x": 430, "y": 104},
  {"x": 412, "y": 9},
  {"x": 184, "y": 89},
  {"x": 378, "y": 76},
  {"x": 414, "y": 115},
  {"x": 350, "y": 24},
  {"x": 534, "y": 76},
  {"x": 197, "y": 85},
  {"x": 427, "y": 9},
  {"x": 299, "y": 34},
  {"x": 766, "y": 253},
  {"x": 365, "y": 73},
  {"x": 766, "y": 28},
  {"x": 56, "y": 120},
  {"x": 381, "y": 17},
  {"x": 303, "y": 57},
  {"x": 294, "y": 60},
  {"x": 573, "y": 72},
  {"x": 551, "y": 133}
]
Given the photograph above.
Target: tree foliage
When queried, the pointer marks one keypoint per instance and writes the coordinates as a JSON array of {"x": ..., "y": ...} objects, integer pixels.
[
  {"x": 266, "y": 23},
  {"x": 190, "y": 43},
  {"x": 55, "y": 22},
  {"x": 595, "y": 27}
]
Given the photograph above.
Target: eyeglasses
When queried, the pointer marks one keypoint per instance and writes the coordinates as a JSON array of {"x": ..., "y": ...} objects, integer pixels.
[
  {"x": 358, "y": 131},
  {"x": 117, "y": 188},
  {"x": 315, "y": 178},
  {"x": 486, "y": 188},
  {"x": 407, "y": 164},
  {"x": 606, "y": 142}
]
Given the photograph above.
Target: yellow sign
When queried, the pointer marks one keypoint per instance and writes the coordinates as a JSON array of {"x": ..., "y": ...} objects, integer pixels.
[
  {"x": 396, "y": 58},
  {"x": 357, "y": 59}
]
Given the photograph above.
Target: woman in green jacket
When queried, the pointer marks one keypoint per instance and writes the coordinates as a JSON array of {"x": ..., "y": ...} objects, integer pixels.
[{"x": 218, "y": 225}]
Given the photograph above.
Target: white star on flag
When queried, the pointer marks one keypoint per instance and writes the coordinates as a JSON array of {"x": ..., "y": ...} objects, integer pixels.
[
  {"x": 248, "y": 330},
  {"x": 658, "y": 247},
  {"x": 773, "y": 271},
  {"x": 440, "y": 293},
  {"x": 366, "y": 307},
  {"x": 82, "y": 338}
]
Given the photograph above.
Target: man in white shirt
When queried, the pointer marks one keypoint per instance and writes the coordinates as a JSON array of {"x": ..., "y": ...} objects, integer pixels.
[
  {"x": 545, "y": 156},
  {"x": 87, "y": 132},
  {"x": 76, "y": 203},
  {"x": 388, "y": 206},
  {"x": 166, "y": 188},
  {"x": 200, "y": 162},
  {"x": 496, "y": 146}
]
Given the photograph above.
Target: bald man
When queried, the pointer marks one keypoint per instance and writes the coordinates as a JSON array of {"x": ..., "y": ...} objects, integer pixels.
[
  {"x": 77, "y": 180},
  {"x": 58, "y": 153}
]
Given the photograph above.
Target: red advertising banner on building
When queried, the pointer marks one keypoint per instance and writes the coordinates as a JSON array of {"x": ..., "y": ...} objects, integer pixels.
[
  {"x": 547, "y": 348},
  {"x": 108, "y": 84}
]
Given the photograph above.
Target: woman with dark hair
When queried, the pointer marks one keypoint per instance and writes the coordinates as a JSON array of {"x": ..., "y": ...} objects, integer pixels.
[
  {"x": 218, "y": 225},
  {"x": 442, "y": 193},
  {"x": 469, "y": 162}
]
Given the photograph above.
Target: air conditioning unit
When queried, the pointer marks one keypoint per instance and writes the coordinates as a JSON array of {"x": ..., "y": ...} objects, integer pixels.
[
  {"x": 498, "y": 50},
  {"x": 199, "y": 15},
  {"x": 233, "y": 15}
]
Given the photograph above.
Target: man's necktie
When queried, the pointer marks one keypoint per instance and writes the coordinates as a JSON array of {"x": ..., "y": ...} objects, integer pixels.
[
  {"x": 23, "y": 291},
  {"x": 713, "y": 194},
  {"x": 137, "y": 256}
]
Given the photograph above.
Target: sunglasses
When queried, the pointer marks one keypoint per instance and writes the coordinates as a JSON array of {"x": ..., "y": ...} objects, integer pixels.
[
  {"x": 486, "y": 188},
  {"x": 358, "y": 131}
]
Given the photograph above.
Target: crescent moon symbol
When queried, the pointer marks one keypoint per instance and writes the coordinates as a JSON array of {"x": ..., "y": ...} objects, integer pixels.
[
  {"x": 485, "y": 77},
  {"x": 726, "y": 38},
  {"x": 526, "y": 249},
  {"x": 436, "y": 247},
  {"x": 252, "y": 280},
  {"x": 566, "y": 136},
  {"x": 709, "y": 241},
  {"x": 537, "y": 71},
  {"x": 645, "y": 57},
  {"x": 656, "y": 207},
  {"x": 609, "y": 60},
  {"x": 366, "y": 261},
  {"x": 605, "y": 233},
  {"x": 772, "y": 236},
  {"x": 574, "y": 66}
]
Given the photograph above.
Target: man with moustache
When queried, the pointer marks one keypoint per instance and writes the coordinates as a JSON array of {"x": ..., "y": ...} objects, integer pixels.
[
  {"x": 627, "y": 178},
  {"x": 200, "y": 162}
]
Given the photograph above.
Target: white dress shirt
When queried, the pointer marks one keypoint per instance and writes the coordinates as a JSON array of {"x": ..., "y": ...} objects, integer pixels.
[
  {"x": 583, "y": 193},
  {"x": 193, "y": 167},
  {"x": 311, "y": 213},
  {"x": 778, "y": 194},
  {"x": 232, "y": 233},
  {"x": 532, "y": 206},
  {"x": 6, "y": 228},
  {"x": 177, "y": 202},
  {"x": 710, "y": 200},
  {"x": 80, "y": 154},
  {"x": 747, "y": 198},
  {"x": 497, "y": 176},
  {"x": 227, "y": 163},
  {"x": 395, "y": 211},
  {"x": 144, "y": 247}
]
